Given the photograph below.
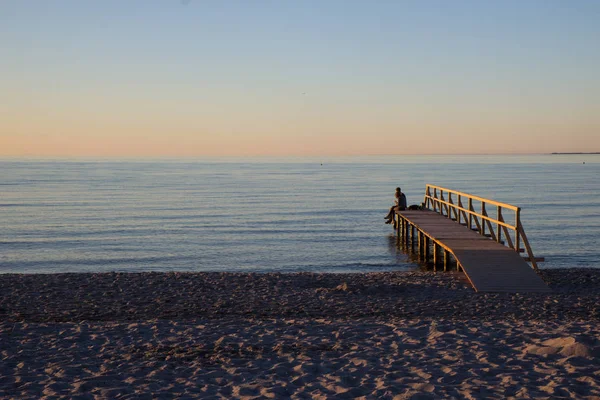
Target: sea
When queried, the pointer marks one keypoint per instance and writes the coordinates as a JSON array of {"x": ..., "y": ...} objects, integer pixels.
[{"x": 273, "y": 214}]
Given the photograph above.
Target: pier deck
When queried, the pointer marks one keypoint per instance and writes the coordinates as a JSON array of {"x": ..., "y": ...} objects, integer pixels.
[{"x": 488, "y": 264}]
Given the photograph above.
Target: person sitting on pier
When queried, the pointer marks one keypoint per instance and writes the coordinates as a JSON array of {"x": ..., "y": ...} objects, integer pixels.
[{"x": 399, "y": 204}]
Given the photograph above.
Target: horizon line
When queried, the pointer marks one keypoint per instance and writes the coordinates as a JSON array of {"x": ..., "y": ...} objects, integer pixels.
[{"x": 171, "y": 157}]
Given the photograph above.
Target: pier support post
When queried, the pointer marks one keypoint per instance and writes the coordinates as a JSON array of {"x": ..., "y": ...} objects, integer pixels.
[
  {"x": 435, "y": 255},
  {"x": 404, "y": 232},
  {"x": 446, "y": 259},
  {"x": 421, "y": 246}
]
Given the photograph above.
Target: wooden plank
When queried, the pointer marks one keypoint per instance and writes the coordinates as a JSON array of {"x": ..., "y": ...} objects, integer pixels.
[{"x": 488, "y": 265}]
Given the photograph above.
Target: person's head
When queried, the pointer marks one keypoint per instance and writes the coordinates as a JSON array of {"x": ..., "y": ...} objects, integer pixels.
[{"x": 398, "y": 190}]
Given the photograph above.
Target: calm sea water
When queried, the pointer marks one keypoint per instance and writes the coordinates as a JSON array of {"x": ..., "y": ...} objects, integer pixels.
[{"x": 273, "y": 214}]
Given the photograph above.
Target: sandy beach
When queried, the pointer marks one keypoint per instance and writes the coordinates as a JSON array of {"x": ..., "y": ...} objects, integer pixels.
[{"x": 398, "y": 335}]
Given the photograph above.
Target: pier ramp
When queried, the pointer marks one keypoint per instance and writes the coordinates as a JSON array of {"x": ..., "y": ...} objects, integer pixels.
[{"x": 457, "y": 227}]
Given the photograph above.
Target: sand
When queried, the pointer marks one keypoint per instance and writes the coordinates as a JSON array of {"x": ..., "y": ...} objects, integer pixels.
[{"x": 399, "y": 335}]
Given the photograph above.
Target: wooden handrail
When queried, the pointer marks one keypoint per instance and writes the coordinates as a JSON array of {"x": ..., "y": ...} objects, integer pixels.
[
  {"x": 489, "y": 201},
  {"x": 434, "y": 197},
  {"x": 488, "y": 218}
]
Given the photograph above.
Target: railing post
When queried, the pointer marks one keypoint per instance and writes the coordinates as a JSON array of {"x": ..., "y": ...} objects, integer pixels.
[
  {"x": 470, "y": 215},
  {"x": 517, "y": 231},
  {"x": 527, "y": 247},
  {"x": 483, "y": 220},
  {"x": 499, "y": 227},
  {"x": 442, "y": 205},
  {"x": 460, "y": 206}
]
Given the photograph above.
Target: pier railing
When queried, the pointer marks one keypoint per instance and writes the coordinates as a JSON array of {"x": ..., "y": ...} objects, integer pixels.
[{"x": 488, "y": 217}]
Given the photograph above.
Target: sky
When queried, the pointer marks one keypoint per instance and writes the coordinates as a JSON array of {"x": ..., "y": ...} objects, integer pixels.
[{"x": 193, "y": 78}]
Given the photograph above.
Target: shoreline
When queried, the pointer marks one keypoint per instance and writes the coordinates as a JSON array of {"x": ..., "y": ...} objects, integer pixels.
[
  {"x": 420, "y": 335},
  {"x": 75, "y": 297}
]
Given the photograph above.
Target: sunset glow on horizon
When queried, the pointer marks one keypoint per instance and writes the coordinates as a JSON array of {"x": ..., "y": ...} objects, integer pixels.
[{"x": 187, "y": 79}]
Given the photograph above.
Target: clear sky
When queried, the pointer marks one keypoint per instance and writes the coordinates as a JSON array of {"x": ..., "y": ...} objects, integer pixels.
[{"x": 285, "y": 77}]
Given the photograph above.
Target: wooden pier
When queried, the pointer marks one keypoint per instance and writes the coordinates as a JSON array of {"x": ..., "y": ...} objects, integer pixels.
[{"x": 455, "y": 228}]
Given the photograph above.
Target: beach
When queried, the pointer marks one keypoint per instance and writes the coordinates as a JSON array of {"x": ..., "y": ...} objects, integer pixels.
[{"x": 215, "y": 335}]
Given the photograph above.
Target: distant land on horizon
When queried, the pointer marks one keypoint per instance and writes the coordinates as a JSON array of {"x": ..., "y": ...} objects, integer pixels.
[{"x": 593, "y": 152}]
